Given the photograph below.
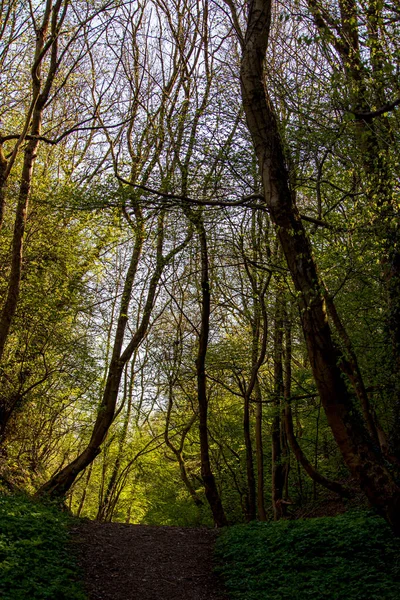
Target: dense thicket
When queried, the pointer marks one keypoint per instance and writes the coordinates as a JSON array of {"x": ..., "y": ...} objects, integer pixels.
[{"x": 200, "y": 256}]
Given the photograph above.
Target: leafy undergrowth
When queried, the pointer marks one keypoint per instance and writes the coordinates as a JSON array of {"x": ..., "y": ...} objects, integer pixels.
[
  {"x": 35, "y": 560},
  {"x": 349, "y": 557}
]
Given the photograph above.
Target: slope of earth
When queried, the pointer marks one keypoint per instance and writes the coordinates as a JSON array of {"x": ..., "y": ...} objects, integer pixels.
[{"x": 140, "y": 562}]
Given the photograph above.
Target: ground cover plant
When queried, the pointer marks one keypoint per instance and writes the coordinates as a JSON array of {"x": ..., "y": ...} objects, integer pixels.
[
  {"x": 35, "y": 560},
  {"x": 352, "y": 556}
]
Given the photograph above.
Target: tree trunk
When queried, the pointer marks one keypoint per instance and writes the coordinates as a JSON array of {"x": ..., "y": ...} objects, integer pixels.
[
  {"x": 278, "y": 471},
  {"x": 351, "y": 436},
  {"x": 104, "y": 513},
  {"x": 84, "y": 493},
  {"x": 251, "y": 482},
  {"x": 259, "y": 453},
  {"x": 350, "y": 366},
  {"x": 210, "y": 486},
  {"x": 315, "y": 475}
]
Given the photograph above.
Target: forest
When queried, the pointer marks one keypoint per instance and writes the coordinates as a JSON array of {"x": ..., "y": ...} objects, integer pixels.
[{"x": 200, "y": 257}]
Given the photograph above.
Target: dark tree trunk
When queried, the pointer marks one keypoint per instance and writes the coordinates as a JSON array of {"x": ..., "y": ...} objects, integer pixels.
[
  {"x": 278, "y": 466},
  {"x": 210, "y": 486},
  {"x": 251, "y": 482},
  {"x": 259, "y": 453},
  {"x": 259, "y": 325}
]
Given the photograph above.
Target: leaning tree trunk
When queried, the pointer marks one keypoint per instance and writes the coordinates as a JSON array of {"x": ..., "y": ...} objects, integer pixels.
[
  {"x": 357, "y": 449},
  {"x": 104, "y": 512}
]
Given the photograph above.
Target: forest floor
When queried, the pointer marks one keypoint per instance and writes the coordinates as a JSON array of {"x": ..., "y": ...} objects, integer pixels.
[{"x": 141, "y": 562}]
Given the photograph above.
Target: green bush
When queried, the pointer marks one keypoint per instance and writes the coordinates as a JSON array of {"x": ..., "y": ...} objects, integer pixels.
[
  {"x": 349, "y": 557},
  {"x": 35, "y": 560}
]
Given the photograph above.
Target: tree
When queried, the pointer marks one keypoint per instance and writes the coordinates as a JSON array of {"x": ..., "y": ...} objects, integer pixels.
[
  {"x": 347, "y": 427},
  {"x": 51, "y": 47},
  {"x": 60, "y": 483}
]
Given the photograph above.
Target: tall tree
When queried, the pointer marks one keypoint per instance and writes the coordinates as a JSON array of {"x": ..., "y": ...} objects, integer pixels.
[{"x": 352, "y": 438}]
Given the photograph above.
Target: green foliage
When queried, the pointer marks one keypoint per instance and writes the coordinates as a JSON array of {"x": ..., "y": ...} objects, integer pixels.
[
  {"x": 352, "y": 556},
  {"x": 164, "y": 498},
  {"x": 172, "y": 508},
  {"x": 35, "y": 562}
]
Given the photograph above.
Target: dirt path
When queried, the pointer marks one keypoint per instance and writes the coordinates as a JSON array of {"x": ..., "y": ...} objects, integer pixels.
[{"x": 139, "y": 562}]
